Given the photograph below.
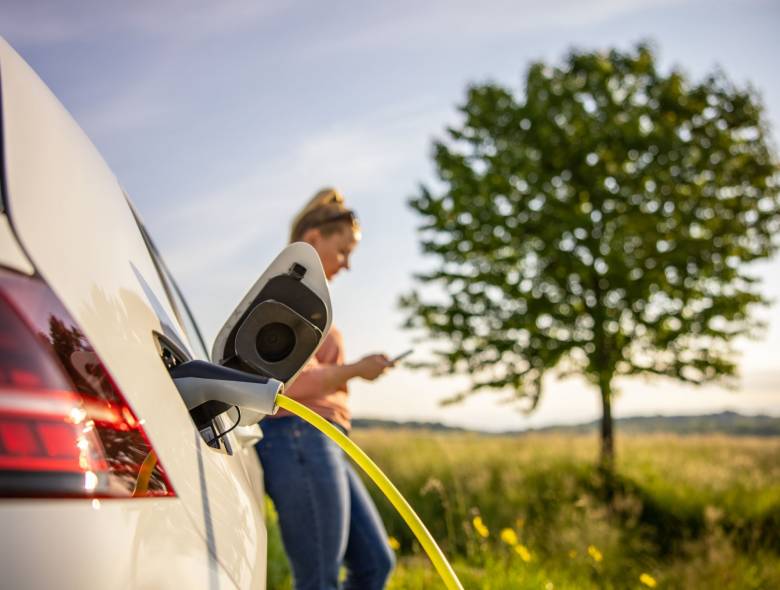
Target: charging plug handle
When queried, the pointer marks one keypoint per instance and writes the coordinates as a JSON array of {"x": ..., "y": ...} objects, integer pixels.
[{"x": 209, "y": 390}]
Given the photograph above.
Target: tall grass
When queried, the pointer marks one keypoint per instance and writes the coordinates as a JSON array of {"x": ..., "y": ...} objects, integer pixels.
[{"x": 535, "y": 512}]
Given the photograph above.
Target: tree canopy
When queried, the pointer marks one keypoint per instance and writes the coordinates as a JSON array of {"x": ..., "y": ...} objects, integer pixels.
[{"x": 599, "y": 222}]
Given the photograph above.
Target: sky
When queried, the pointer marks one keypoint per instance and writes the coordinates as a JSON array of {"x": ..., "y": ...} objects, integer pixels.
[{"x": 221, "y": 118}]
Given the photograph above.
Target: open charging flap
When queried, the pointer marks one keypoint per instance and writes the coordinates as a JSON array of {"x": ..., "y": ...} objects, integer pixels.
[{"x": 280, "y": 322}]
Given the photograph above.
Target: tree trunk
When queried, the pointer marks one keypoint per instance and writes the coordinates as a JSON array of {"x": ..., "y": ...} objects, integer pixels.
[{"x": 607, "y": 458}]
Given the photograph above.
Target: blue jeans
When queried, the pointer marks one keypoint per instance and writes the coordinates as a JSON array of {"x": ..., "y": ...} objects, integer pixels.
[{"x": 325, "y": 513}]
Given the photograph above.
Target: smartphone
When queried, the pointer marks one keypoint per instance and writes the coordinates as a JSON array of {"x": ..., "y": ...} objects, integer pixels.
[{"x": 402, "y": 356}]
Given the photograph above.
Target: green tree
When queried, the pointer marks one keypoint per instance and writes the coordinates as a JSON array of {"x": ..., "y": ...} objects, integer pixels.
[{"x": 598, "y": 223}]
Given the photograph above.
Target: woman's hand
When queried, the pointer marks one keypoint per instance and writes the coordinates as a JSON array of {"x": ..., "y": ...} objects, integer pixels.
[
  {"x": 332, "y": 377},
  {"x": 372, "y": 366}
]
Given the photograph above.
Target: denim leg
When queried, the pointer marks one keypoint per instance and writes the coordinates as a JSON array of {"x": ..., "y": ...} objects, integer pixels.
[
  {"x": 369, "y": 558},
  {"x": 305, "y": 476}
]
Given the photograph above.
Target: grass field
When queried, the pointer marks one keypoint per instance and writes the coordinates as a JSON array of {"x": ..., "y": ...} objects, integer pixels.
[{"x": 534, "y": 512}]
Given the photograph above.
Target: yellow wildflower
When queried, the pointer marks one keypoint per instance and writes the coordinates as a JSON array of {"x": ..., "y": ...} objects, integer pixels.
[
  {"x": 648, "y": 580},
  {"x": 595, "y": 553},
  {"x": 480, "y": 527},
  {"x": 394, "y": 544},
  {"x": 509, "y": 537},
  {"x": 523, "y": 552}
]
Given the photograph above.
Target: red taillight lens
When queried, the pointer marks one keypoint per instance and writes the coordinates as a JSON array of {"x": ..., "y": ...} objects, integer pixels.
[{"x": 65, "y": 429}]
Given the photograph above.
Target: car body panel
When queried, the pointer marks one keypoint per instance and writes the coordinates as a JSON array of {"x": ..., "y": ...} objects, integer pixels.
[
  {"x": 100, "y": 544},
  {"x": 74, "y": 223},
  {"x": 11, "y": 255}
]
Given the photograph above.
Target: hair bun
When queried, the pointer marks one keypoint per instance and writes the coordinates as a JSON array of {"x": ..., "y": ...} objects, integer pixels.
[{"x": 326, "y": 196}]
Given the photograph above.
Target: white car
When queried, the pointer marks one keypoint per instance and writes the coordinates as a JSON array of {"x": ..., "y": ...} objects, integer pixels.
[{"x": 111, "y": 475}]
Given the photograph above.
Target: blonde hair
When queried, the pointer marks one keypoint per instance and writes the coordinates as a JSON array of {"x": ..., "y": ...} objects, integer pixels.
[{"x": 327, "y": 212}]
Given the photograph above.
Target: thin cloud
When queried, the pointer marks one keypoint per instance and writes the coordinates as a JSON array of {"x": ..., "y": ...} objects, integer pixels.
[
  {"x": 360, "y": 156},
  {"x": 180, "y": 20},
  {"x": 448, "y": 23}
]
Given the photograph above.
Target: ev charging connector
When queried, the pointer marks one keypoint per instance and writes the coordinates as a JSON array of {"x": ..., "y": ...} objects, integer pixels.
[{"x": 209, "y": 390}]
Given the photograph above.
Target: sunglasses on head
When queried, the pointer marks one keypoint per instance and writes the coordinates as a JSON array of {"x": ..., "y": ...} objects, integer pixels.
[{"x": 348, "y": 215}]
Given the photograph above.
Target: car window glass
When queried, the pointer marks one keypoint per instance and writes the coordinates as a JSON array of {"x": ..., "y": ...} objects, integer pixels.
[
  {"x": 177, "y": 301},
  {"x": 185, "y": 317}
]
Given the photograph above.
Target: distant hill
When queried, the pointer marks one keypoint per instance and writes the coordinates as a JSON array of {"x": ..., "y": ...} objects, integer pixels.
[
  {"x": 364, "y": 423},
  {"x": 731, "y": 423},
  {"x": 722, "y": 423}
]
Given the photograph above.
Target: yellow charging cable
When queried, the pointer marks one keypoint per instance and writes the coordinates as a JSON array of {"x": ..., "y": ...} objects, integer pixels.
[{"x": 380, "y": 479}]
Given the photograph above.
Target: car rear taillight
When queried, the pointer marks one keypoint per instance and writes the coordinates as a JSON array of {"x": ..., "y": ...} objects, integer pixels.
[{"x": 65, "y": 428}]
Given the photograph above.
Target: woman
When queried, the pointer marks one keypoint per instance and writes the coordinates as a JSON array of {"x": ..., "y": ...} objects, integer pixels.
[{"x": 326, "y": 516}]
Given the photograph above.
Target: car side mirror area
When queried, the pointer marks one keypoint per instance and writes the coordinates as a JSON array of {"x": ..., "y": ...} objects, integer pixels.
[{"x": 281, "y": 321}]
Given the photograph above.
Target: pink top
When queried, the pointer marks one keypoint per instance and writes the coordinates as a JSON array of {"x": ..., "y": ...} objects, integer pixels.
[{"x": 309, "y": 387}]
